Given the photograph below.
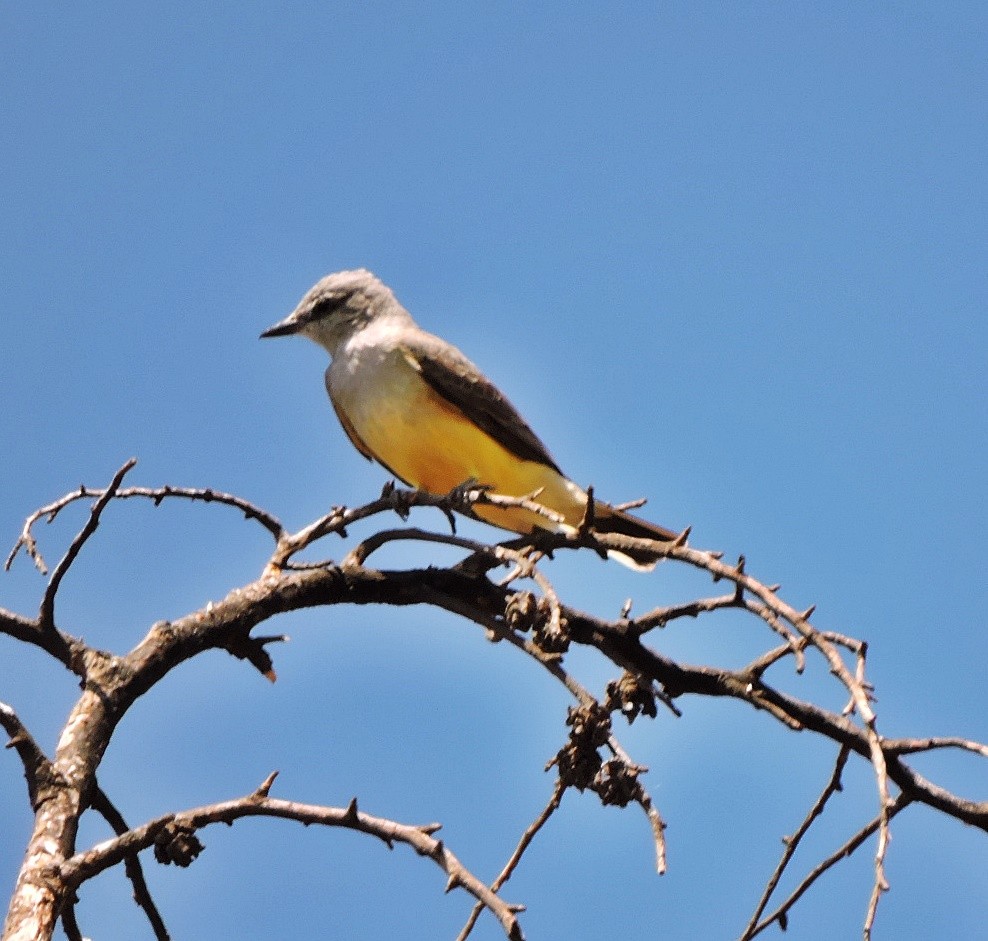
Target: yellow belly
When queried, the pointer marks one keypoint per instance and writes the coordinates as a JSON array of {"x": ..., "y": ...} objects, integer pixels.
[{"x": 431, "y": 445}]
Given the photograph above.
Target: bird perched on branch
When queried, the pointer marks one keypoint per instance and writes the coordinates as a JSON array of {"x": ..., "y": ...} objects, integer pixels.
[{"x": 418, "y": 406}]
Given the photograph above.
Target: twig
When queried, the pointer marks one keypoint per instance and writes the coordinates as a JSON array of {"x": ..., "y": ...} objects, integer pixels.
[
  {"x": 792, "y": 842},
  {"x": 132, "y": 865},
  {"x": 359, "y": 554},
  {"x": 907, "y": 746},
  {"x": 661, "y": 617},
  {"x": 156, "y": 495},
  {"x": 46, "y": 614},
  {"x": 587, "y": 700},
  {"x": 509, "y": 867},
  {"x": 780, "y": 915}
]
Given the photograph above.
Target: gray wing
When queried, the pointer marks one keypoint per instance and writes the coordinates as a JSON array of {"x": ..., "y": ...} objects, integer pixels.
[{"x": 459, "y": 382}]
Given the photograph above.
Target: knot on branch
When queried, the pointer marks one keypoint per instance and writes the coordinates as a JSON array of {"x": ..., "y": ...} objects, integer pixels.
[
  {"x": 631, "y": 697},
  {"x": 527, "y": 612},
  {"x": 616, "y": 783},
  {"x": 177, "y": 843},
  {"x": 579, "y": 761}
]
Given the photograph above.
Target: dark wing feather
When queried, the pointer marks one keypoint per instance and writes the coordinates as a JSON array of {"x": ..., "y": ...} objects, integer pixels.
[{"x": 452, "y": 376}]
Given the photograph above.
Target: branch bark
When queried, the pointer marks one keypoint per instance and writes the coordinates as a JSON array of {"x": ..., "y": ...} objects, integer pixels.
[{"x": 536, "y": 621}]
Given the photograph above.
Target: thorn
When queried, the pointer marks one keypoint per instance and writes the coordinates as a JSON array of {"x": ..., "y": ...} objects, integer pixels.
[
  {"x": 739, "y": 568},
  {"x": 439, "y": 851},
  {"x": 631, "y": 504},
  {"x": 265, "y": 787},
  {"x": 589, "y": 520},
  {"x": 626, "y": 608},
  {"x": 452, "y": 882},
  {"x": 808, "y": 613},
  {"x": 682, "y": 538},
  {"x": 775, "y": 588},
  {"x": 350, "y": 816}
]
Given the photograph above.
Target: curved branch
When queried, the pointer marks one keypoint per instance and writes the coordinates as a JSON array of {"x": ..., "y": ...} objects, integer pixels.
[
  {"x": 537, "y": 622},
  {"x": 46, "y": 615},
  {"x": 156, "y": 495},
  {"x": 84, "y": 866}
]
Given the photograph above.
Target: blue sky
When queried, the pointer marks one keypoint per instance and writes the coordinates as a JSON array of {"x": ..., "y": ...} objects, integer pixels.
[{"x": 730, "y": 257}]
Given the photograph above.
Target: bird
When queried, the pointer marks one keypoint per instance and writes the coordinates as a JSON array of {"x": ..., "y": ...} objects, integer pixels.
[{"x": 415, "y": 404}]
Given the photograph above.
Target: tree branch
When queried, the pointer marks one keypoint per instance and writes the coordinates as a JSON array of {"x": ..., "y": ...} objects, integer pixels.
[
  {"x": 84, "y": 866},
  {"x": 46, "y": 616},
  {"x": 37, "y": 768},
  {"x": 509, "y": 867},
  {"x": 132, "y": 866},
  {"x": 534, "y": 619}
]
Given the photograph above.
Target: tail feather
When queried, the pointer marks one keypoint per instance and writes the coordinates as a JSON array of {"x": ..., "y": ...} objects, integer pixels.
[{"x": 607, "y": 519}]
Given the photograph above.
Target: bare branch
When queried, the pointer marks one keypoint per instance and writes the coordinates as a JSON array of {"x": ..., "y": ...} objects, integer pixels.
[
  {"x": 60, "y": 645},
  {"x": 907, "y": 746},
  {"x": 37, "y": 767},
  {"x": 792, "y": 842},
  {"x": 660, "y": 617},
  {"x": 69, "y": 923},
  {"x": 86, "y": 865},
  {"x": 781, "y": 914},
  {"x": 46, "y": 615},
  {"x": 400, "y": 501},
  {"x": 509, "y": 867},
  {"x": 156, "y": 495},
  {"x": 532, "y": 617},
  {"x": 132, "y": 866}
]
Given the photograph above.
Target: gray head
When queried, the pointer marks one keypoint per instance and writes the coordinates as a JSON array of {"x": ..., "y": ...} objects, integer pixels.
[{"x": 338, "y": 305}]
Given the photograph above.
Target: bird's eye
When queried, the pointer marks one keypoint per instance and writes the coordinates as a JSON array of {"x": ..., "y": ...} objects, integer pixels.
[{"x": 325, "y": 306}]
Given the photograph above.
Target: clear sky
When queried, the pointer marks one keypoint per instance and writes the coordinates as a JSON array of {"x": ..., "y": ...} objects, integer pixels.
[{"x": 728, "y": 256}]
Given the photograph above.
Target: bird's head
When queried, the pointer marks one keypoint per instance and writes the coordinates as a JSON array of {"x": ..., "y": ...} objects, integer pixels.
[{"x": 337, "y": 306}]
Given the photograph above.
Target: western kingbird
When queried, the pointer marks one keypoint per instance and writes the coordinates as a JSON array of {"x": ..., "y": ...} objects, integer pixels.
[{"x": 417, "y": 405}]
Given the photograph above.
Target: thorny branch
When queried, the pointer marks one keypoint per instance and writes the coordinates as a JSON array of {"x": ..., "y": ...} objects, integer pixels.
[
  {"x": 532, "y": 618},
  {"x": 173, "y": 837}
]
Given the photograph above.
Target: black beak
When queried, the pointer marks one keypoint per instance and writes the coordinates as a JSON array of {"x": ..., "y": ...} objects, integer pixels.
[{"x": 283, "y": 329}]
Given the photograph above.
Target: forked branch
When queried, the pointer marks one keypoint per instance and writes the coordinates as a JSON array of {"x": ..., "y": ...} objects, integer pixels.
[{"x": 504, "y": 589}]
